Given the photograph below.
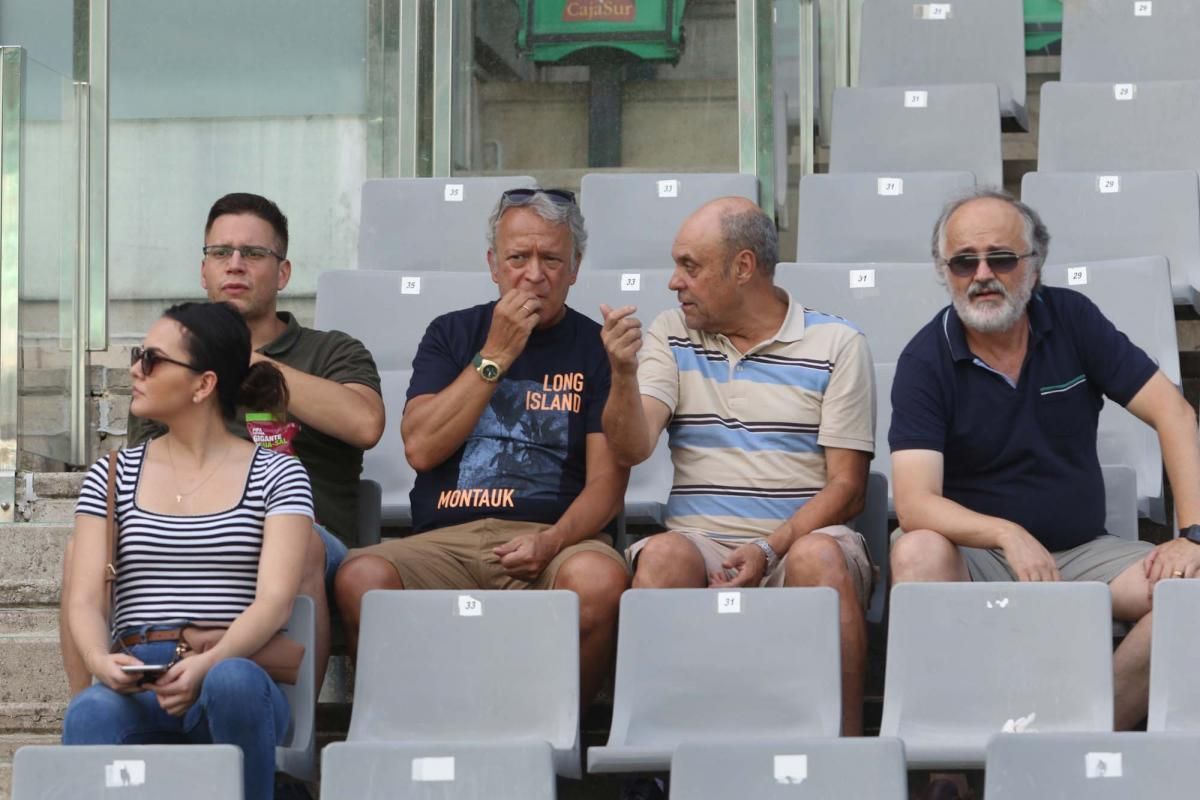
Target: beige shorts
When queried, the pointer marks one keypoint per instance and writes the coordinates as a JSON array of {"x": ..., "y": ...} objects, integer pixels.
[
  {"x": 714, "y": 552},
  {"x": 461, "y": 557}
]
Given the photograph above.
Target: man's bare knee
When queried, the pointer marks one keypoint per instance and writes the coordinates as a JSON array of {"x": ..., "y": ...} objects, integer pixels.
[
  {"x": 925, "y": 555},
  {"x": 669, "y": 560},
  {"x": 816, "y": 560},
  {"x": 599, "y": 581},
  {"x": 360, "y": 575}
]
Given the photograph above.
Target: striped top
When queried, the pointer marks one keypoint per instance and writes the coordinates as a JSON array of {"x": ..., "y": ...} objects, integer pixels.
[
  {"x": 198, "y": 569},
  {"x": 748, "y": 431}
]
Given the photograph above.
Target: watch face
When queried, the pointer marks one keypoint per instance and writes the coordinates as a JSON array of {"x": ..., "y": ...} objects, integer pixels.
[{"x": 490, "y": 372}]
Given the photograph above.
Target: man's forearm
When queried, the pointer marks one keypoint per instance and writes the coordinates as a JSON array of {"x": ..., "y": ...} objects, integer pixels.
[
  {"x": 332, "y": 408},
  {"x": 836, "y": 504},
  {"x": 624, "y": 422},
  {"x": 437, "y": 426},
  {"x": 960, "y": 525},
  {"x": 1181, "y": 456},
  {"x": 594, "y": 508}
]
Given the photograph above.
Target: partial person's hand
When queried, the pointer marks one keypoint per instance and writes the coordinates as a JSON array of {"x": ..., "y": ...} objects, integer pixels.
[
  {"x": 524, "y": 557},
  {"x": 622, "y": 337},
  {"x": 108, "y": 671},
  {"x": 178, "y": 689},
  {"x": 1178, "y": 558},
  {"x": 749, "y": 564},
  {"x": 1029, "y": 559},
  {"x": 513, "y": 319}
]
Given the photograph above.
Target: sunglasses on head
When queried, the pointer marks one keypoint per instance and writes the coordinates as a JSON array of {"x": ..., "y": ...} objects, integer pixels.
[
  {"x": 561, "y": 196},
  {"x": 151, "y": 357},
  {"x": 964, "y": 265}
]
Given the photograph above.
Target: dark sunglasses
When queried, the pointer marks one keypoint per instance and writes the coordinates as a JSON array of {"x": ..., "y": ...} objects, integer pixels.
[
  {"x": 964, "y": 265},
  {"x": 150, "y": 358},
  {"x": 518, "y": 196}
]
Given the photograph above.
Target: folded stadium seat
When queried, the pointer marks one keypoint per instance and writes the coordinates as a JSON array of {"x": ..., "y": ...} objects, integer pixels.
[
  {"x": 1134, "y": 294},
  {"x": 893, "y": 214},
  {"x": 1130, "y": 40},
  {"x": 385, "y": 462},
  {"x": 1123, "y": 215},
  {"x": 1046, "y": 766},
  {"x": 682, "y": 652},
  {"x": 417, "y": 224},
  {"x": 1120, "y": 501},
  {"x": 885, "y": 374},
  {"x": 888, "y": 302},
  {"x": 965, "y": 41},
  {"x": 178, "y": 771},
  {"x": 389, "y": 311},
  {"x": 872, "y": 523},
  {"x": 918, "y": 128},
  {"x": 632, "y": 218},
  {"x": 1113, "y": 128},
  {"x": 813, "y": 769},
  {"x": 966, "y": 661},
  {"x": 1175, "y": 640},
  {"x": 489, "y": 667},
  {"x": 454, "y": 771},
  {"x": 297, "y": 756}
]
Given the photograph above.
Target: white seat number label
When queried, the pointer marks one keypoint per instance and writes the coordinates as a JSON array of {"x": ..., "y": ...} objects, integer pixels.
[
  {"x": 631, "y": 282},
  {"x": 669, "y": 188},
  {"x": 791, "y": 769},
  {"x": 1076, "y": 276},
  {"x": 454, "y": 193},
  {"x": 729, "y": 602},
  {"x": 916, "y": 98},
  {"x": 934, "y": 11},
  {"x": 410, "y": 285},
  {"x": 1108, "y": 184},
  {"x": 124, "y": 773},
  {"x": 1102, "y": 765},
  {"x": 433, "y": 769},
  {"x": 1143, "y": 8},
  {"x": 862, "y": 279},
  {"x": 469, "y": 607},
  {"x": 1124, "y": 91},
  {"x": 890, "y": 187}
]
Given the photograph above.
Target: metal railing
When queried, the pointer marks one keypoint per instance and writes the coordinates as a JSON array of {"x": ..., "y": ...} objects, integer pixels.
[{"x": 12, "y": 95}]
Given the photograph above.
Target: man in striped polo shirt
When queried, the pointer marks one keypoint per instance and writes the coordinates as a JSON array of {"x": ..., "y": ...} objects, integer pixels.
[{"x": 770, "y": 410}]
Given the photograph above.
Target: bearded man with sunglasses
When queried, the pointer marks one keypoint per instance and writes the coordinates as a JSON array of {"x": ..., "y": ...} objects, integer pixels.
[
  {"x": 995, "y": 407},
  {"x": 515, "y": 481}
]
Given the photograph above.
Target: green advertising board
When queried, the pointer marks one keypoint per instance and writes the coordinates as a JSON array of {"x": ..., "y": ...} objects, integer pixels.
[{"x": 554, "y": 30}]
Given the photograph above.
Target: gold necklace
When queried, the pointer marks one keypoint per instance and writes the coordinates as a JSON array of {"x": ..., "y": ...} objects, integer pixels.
[{"x": 179, "y": 495}]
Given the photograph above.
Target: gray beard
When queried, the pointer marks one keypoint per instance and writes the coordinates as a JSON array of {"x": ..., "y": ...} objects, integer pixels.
[{"x": 995, "y": 319}]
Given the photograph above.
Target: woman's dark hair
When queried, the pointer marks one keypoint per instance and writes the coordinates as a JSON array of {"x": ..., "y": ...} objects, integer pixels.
[{"x": 217, "y": 339}]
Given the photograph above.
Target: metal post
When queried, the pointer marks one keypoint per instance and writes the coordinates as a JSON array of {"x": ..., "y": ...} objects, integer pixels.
[
  {"x": 443, "y": 86},
  {"x": 78, "y": 408},
  {"x": 756, "y": 98},
  {"x": 97, "y": 179},
  {"x": 12, "y": 80},
  {"x": 841, "y": 33},
  {"x": 408, "y": 135},
  {"x": 808, "y": 43}
]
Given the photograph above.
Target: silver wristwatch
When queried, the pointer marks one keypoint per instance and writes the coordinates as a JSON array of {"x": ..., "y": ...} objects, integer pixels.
[{"x": 769, "y": 552}]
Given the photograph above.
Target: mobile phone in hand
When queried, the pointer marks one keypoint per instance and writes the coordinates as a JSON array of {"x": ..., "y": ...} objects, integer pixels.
[{"x": 148, "y": 671}]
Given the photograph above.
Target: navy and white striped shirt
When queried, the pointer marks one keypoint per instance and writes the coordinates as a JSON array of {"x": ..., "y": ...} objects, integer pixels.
[{"x": 197, "y": 569}]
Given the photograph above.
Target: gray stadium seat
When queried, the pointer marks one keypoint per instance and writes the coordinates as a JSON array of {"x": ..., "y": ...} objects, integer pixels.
[
  {"x": 872, "y": 523},
  {"x": 128, "y": 772},
  {"x": 918, "y": 128},
  {"x": 966, "y": 661},
  {"x": 1134, "y": 293},
  {"x": 385, "y": 462},
  {"x": 812, "y": 769},
  {"x": 882, "y": 463},
  {"x": 1084, "y": 127},
  {"x": 389, "y": 311},
  {"x": 719, "y": 640},
  {"x": 1104, "y": 217},
  {"x": 297, "y": 756},
  {"x": 889, "y": 303},
  {"x": 440, "y": 667},
  {"x": 457, "y": 771},
  {"x": 1124, "y": 40},
  {"x": 1174, "y": 651},
  {"x": 632, "y": 218},
  {"x": 861, "y": 217},
  {"x": 1091, "y": 766},
  {"x": 415, "y": 224},
  {"x": 1120, "y": 501},
  {"x": 967, "y": 41}
]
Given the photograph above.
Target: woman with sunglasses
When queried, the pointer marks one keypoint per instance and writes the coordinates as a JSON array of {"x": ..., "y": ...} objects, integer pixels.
[{"x": 211, "y": 533}]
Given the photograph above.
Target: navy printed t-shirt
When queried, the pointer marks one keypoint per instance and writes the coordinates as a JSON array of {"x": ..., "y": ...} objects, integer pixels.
[{"x": 526, "y": 459}]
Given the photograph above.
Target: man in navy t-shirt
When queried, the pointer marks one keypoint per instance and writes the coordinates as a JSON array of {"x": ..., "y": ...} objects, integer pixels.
[
  {"x": 995, "y": 406},
  {"x": 515, "y": 481}
]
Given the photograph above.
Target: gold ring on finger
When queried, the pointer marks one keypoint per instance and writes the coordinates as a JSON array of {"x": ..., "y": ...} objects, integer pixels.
[{"x": 1178, "y": 573}]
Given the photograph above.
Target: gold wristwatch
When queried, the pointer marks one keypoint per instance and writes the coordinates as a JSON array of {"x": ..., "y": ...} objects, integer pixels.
[{"x": 488, "y": 370}]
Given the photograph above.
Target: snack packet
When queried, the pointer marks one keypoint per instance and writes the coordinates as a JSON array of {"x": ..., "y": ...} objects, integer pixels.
[{"x": 267, "y": 431}]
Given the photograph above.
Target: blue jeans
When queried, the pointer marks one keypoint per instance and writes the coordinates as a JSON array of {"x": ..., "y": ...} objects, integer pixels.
[
  {"x": 335, "y": 554},
  {"x": 238, "y": 704}
]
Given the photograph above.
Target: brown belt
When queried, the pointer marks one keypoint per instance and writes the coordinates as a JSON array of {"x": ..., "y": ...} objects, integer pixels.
[{"x": 172, "y": 635}]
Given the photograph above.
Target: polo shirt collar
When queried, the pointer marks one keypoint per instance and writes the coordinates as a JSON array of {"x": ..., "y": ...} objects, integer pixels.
[
  {"x": 1040, "y": 324},
  {"x": 792, "y": 329},
  {"x": 286, "y": 339}
]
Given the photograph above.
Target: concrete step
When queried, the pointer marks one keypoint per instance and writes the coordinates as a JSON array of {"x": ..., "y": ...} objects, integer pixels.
[
  {"x": 32, "y": 680},
  {"x": 12, "y": 742},
  {"x": 31, "y": 557}
]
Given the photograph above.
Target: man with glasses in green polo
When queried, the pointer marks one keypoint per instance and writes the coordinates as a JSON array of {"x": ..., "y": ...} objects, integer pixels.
[{"x": 515, "y": 481}]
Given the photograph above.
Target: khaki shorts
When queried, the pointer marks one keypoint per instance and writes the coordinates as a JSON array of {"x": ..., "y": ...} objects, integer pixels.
[
  {"x": 1102, "y": 559},
  {"x": 715, "y": 551},
  {"x": 461, "y": 557}
]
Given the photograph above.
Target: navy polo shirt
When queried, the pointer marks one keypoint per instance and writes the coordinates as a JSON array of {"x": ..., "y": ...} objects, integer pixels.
[{"x": 1025, "y": 453}]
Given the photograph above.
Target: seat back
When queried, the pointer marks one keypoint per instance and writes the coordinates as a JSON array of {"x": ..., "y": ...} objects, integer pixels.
[
  {"x": 297, "y": 755},
  {"x": 437, "y": 771},
  {"x": 815, "y": 769},
  {"x": 1115, "y": 128},
  {"x": 1098, "y": 766},
  {"x": 491, "y": 666},
  {"x": 918, "y": 128},
  {"x": 385, "y": 462},
  {"x": 1107, "y": 217},
  {"x": 128, "y": 772},
  {"x": 1122, "y": 40},
  {"x": 1026, "y": 656},
  {"x": 632, "y": 218},
  {"x": 892, "y": 214},
  {"x": 969, "y": 41},
  {"x": 416, "y": 224},
  {"x": 1175, "y": 642}
]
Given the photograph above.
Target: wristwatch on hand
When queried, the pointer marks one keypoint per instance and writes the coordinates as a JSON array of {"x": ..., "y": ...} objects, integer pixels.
[
  {"x": 773, "y": 557},
  {"x": 488, "y": 370},
  {"x": 1191, "y": 533}
]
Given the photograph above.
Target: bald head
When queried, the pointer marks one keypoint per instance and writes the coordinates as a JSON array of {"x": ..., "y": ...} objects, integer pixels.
[{"x": 740, "y": 226}]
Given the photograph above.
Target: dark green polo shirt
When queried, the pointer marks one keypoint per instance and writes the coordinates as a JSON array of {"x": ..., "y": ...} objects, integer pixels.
[{"x": 334, "y": 467}]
